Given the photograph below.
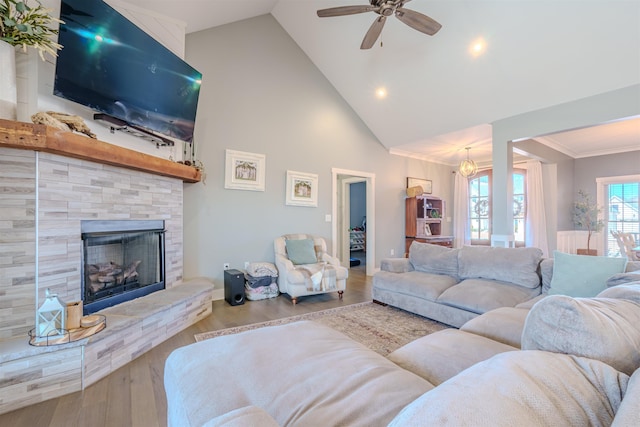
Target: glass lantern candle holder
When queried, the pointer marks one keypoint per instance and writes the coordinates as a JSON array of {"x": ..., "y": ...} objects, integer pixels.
[{"x": 50, "y": 318}]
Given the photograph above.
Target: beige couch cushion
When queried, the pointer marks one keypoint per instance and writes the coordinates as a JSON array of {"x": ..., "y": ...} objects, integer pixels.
[
  {"x": 629, "y": 292},
  {"x": 503, "y": 324},
  {"x": 243, "y": 417},
  {"x": 301, "y": 373},
  {"x": 443, "y": 354},
  {"x": 629, "y": 412},
  {"x": 482, "y": 295},
  {"x": 524, "y": 389},
  {"x": 415, "y": 283},
  {"x": 605, "y": 329}
]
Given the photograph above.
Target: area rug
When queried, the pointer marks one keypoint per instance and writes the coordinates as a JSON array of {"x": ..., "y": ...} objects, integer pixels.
[{"x": 380, "y": 328}]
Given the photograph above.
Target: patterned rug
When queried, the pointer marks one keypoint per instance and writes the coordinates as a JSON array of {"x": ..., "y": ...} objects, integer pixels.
[{"x": 380, "y": 328}]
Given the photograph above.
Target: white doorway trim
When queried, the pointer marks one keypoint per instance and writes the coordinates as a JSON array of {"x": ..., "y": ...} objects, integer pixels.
[
  {"x": 370, "y": 180},
  {"x": 603, "y": 203}
]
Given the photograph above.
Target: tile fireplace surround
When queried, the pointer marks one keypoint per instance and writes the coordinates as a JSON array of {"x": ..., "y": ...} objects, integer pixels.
[{"x": 50, "y": 181}]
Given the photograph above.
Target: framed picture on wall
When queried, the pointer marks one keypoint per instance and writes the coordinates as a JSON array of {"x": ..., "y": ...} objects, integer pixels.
[
  {"x": 244, "y": 171},
  {"x": 302, "y": 189},
  {"x": 426, "y": 184}
]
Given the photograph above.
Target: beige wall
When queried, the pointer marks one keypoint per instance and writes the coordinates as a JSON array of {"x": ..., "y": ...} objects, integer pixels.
[{"x": 262, "y": 94}]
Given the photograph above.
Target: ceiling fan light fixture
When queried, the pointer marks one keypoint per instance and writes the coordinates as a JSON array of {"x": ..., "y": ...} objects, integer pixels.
[
  {"x": 468, "y": 167},
  {"x": 385, "y": 8}
]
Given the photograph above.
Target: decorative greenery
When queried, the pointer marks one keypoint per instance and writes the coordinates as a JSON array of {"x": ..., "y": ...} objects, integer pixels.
[
  {"x": 24, "y": 25},
  {"x": 586, "y": 215}
]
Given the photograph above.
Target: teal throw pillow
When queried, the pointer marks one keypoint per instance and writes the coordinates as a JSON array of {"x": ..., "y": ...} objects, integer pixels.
[
  {"x": 582, "y": 275},
  {"x": 301, "y": 251}
]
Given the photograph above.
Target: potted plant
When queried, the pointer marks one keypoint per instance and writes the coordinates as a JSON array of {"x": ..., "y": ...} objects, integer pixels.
[
  {"x": 22, "y": 25},
  {"x": 586, "y": 217},
  {"x": 28, "y": 26}
]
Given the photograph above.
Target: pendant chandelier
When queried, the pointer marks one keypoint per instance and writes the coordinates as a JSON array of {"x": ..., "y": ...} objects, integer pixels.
[{"x": 468, "y": 167}]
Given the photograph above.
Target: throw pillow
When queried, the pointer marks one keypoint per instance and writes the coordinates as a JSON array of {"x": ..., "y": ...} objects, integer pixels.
[
  {"x": 604, "y": 329},
  {"x": 301, "y": 251},
  {"x": 582, "y": 275},
  {"x": 434, "y": 259}
]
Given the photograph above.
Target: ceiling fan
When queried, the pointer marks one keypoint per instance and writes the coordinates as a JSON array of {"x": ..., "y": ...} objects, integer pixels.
[{"x": 384, "y": 8}]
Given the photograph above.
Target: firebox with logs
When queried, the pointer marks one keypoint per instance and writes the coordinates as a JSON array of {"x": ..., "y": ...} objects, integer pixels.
[
  {"x": 123, "y": 260},
  {"x": 105, "y": 276}
]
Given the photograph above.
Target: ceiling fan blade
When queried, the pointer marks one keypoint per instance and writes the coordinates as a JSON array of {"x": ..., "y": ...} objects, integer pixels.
[
  {"x": 344, "y": 10},
  {"x": 373, "y": 33},
  {"x": 418, "y": 21}
]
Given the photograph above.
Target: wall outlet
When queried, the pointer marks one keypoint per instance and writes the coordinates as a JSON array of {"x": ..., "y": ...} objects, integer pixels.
[
  {"x": 225, "y": 265},
  {"x": 246, "y": 265},
  {"x": 392, "y": 252}
]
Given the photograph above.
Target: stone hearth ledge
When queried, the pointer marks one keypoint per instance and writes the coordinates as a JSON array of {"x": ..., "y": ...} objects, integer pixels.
[
  {"x": 118, "y": 318},
  {"x": 133, "y": 328}
]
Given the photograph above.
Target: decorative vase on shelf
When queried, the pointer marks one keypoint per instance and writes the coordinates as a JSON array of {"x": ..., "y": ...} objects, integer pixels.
[
  {"x": 23, "y": 24},
  {"x": 8, "y": 87}
]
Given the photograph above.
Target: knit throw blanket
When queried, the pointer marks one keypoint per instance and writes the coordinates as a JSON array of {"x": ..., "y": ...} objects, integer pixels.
[
  {"x": 319, "y": 277},
  {"x": 261, "y": 269}
]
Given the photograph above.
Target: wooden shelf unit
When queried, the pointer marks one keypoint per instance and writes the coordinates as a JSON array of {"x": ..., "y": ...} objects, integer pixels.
[{"x": 423, "y": 221}]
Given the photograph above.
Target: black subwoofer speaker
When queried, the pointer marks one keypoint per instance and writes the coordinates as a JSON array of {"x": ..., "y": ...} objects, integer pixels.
[{"x": 234, "y": 287}]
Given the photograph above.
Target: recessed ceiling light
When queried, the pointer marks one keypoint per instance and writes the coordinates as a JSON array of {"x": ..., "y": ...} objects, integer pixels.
[
  {"x": 477, "y": 47},
  {"x": 381, "y": 93}
]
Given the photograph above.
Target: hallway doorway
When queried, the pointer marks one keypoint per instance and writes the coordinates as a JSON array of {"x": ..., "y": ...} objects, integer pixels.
[{"x": 343, "y": 223}]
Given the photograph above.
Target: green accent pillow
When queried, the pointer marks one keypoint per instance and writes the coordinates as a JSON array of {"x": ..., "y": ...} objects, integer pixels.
[
  {"x": 582, "y": 275},
  {"x": 301, "y": 251}
]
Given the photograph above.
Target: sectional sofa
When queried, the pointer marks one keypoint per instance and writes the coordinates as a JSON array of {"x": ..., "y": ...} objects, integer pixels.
[
  {"x": 578, "y": 366},
  {"x": 552, "y": 360},
  {"x": 454, "y": 286}
]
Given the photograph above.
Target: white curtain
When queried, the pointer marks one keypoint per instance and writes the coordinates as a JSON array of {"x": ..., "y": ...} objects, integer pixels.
[
  {"x": 461, "y": 232},
  {"x": 536, "y": 226}
]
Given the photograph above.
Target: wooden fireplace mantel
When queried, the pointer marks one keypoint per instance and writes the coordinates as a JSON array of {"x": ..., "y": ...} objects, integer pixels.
[{"x": 29, "y": 136}]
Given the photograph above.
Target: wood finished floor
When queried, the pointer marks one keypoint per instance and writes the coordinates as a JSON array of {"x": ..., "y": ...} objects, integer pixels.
[{"x": 134, "y": 394}]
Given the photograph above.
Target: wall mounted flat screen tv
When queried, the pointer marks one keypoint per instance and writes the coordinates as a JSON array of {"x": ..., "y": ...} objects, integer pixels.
[{"x": 110, "y": 65}]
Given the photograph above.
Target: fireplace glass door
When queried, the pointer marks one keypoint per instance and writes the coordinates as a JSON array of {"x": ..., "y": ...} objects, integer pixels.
[{"x": 122, "y": 261}]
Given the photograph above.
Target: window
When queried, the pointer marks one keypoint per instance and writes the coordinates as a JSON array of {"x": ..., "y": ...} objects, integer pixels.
[
  {"x": 621, "y": 207},
  {"x": 480, "y": 207}
]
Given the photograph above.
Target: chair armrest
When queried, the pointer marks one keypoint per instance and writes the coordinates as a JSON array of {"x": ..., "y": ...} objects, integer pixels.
[
  {"x": 396, "y": 265},
  {"x": 287, "y": 271},
  {"x": 330, "y": 259},
  {"x": 284, "y": 262}
]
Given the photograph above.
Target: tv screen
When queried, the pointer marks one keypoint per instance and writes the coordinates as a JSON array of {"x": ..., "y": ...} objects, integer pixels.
[{"x": 110, "y": 65}]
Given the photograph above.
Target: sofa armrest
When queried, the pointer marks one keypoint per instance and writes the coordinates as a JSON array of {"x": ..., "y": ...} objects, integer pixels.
[{"x": 396, "y": 265}]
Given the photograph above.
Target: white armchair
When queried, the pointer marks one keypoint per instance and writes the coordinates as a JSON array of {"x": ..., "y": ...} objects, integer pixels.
[{"x": 305, "y": 267}]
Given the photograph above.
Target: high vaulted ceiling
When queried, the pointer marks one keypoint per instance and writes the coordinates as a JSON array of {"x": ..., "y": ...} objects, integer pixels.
[{"x": 440, "y": 98}]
